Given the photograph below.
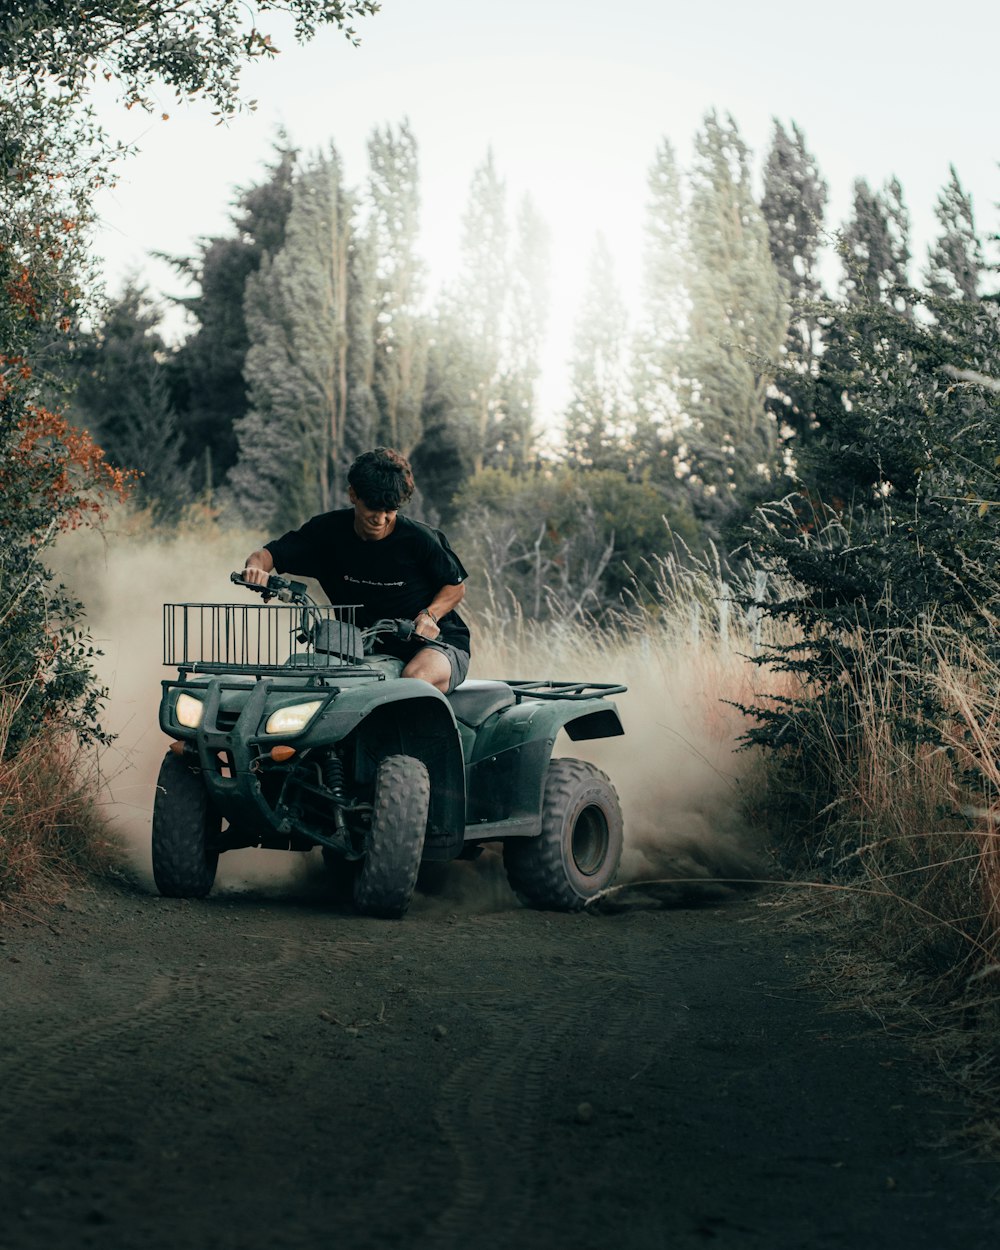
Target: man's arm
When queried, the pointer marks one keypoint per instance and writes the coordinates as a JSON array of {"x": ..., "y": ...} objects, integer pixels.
[
  {"x": 259, "y": 567},
  {"x": 445, "y": 599}
]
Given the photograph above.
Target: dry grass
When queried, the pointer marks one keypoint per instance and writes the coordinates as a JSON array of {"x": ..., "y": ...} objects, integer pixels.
[
  {"x": 52, "y": 830},
  {"x": 911, "y": 906}
]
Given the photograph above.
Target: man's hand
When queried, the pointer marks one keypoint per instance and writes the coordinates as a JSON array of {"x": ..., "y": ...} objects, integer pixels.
[
  {"x": 259, "y": 567},
  {"x": 425, "y": 625},
  {"x": 426, "y": 620}
]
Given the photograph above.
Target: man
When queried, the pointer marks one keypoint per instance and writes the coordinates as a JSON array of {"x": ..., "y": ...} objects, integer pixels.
[{"x": 389, "y": 565}]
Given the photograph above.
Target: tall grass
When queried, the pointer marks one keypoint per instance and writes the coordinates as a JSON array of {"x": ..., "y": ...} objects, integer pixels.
[
  {"x": 694, "y": 803},
  {"x": 52, "y": 829},
  {"x": 901, "y": 870}
]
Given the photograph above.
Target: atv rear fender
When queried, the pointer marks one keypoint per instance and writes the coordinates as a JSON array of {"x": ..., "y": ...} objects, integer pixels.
[{"x": 505, "y": 775}]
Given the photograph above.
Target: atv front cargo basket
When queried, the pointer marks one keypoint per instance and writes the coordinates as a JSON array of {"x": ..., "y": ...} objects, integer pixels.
[{"x": 257, "y": 638}]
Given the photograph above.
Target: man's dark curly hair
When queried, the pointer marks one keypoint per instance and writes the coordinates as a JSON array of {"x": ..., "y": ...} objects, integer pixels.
[{"x": 382, "y": 479}]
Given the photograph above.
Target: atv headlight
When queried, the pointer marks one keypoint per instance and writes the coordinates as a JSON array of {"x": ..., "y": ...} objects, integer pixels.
[
  {"x": 292, "y": 720},
  {"x": 188, "y": 711}
]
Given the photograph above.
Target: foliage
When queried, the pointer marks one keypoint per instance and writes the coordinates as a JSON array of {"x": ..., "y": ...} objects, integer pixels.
[
  {"x": 197, "y": 47},
  {"x": 561, "y": 542},
  {"x": 485, "y": 340},
  {"x": 52, "y": 477},
  {"x": 894, "y": 521},
  {"x": 876, "y": 248},
  {"x": 121, "y": 394}
]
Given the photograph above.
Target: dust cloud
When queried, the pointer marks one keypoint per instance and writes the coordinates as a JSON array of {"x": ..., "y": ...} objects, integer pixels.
[
  {"x": 682, "y": 786},
  {"x": 123, "y": 578},
  {"x": 680, "y": 783}
]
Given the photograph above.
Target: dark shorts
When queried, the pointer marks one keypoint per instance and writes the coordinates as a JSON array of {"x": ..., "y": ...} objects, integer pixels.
[{"x": 459, "y": 661}]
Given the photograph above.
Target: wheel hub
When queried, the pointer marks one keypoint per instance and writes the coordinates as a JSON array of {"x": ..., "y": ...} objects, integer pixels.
[{"x": 590, "y": 840}]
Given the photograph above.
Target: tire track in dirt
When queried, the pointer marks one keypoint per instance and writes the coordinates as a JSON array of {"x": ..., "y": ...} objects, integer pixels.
[
  {"x": 326, "y": 1078},
  {"x": 496, "y": 1106}
]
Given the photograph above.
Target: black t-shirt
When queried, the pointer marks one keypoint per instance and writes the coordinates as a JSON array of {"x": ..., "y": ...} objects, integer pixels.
[{"x": 394, "y": 576}]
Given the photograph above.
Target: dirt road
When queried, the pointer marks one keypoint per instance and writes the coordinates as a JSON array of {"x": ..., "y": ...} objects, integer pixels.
[{"x": 269, "y": 1070}]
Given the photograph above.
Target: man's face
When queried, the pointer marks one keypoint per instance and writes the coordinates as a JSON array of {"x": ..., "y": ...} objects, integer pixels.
[{"x": 371, "y": 524}]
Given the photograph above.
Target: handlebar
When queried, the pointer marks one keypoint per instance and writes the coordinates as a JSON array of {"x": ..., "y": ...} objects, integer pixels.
[
  {"x": 297, "y": 592},
  {"x": 277, "y": 587}
]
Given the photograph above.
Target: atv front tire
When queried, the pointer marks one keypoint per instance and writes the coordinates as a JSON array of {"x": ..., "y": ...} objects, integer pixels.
[
  {"x": 185, "y": 830},
  {"x": 577, "y": 853},
  {"x": 395, "y": 841}
]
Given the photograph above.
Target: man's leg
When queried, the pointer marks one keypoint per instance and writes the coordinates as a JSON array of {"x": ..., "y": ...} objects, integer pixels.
[
  {"x": 432, "y": 666},
  {"x": 442, "y": 665}
]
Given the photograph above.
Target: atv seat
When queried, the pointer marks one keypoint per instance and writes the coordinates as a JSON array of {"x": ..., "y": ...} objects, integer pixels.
[{"x": 473, "y": 701}]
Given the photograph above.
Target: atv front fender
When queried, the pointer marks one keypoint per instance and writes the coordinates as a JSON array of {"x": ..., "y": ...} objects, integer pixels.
[{"x": 406, "y": 716}]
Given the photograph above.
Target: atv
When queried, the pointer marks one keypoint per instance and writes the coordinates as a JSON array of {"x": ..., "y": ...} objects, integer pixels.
[{"x": 290, "y": 732}]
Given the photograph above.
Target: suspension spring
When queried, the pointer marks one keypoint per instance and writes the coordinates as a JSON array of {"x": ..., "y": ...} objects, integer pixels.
[{"x": 333, "y": 776}]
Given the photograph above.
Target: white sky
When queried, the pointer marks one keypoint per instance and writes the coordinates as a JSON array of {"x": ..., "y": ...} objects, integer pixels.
[{"x": 574, "y": 96}]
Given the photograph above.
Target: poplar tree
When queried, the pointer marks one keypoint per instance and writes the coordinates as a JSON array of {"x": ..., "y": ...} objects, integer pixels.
[
  {"x": 737, "y": 326},
  {"x": 876, "y": 249},
  {"x": 476, "y": 313},
  {"x": 792, "y": 204},
  {"x": 659, "y": 340},
  {"x": 399, "y": 329},
  {"x": 597, "y": 412},
  {"x": 955, "y": 259},
  {"x": 526, "y": 317},
  {"x": 293, "y": 445}
]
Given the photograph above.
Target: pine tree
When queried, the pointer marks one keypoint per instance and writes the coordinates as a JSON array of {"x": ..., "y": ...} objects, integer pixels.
[
  {"x": 955, "y": 260},
  {"x": 400, "y": 329},
  {"x": 659, "y": 339},
  {"x": 597, "y": 412},
  {"x": 293, "y": 447},
  {"x": 122, "y": 396},
  {"x": 792, "y": 205},
  {"x": 737, "y": 326}
]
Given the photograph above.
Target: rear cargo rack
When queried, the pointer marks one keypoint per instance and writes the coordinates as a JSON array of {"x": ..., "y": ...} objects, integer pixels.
[
  {"x": 563, "y": 689},
  {"x": 255, "y": 638}
]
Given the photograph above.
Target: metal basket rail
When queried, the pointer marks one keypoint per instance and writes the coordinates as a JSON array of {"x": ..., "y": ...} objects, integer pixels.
[
  {"x": 258, "y": 638},
  {"x": 573, "y": 690}
]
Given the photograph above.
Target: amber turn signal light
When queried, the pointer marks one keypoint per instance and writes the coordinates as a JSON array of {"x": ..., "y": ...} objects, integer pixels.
[{"x": 280, "y": 754}]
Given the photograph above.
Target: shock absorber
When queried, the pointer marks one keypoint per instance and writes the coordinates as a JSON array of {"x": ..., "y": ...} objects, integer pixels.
[{"x": 333, "y": 780}]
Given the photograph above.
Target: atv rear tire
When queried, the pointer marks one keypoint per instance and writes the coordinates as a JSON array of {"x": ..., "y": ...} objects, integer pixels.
[
  {"x": 395, "y": 841},
  {"x": 578, "y": 851},
  {"x": 186, "y": 828}
]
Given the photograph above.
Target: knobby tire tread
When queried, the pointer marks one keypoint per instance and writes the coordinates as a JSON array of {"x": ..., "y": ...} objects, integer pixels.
[
  {"x": 388, "y": 873},
  {"x": 183, "y": 818},
  {"x": 535, "y": 866}
]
